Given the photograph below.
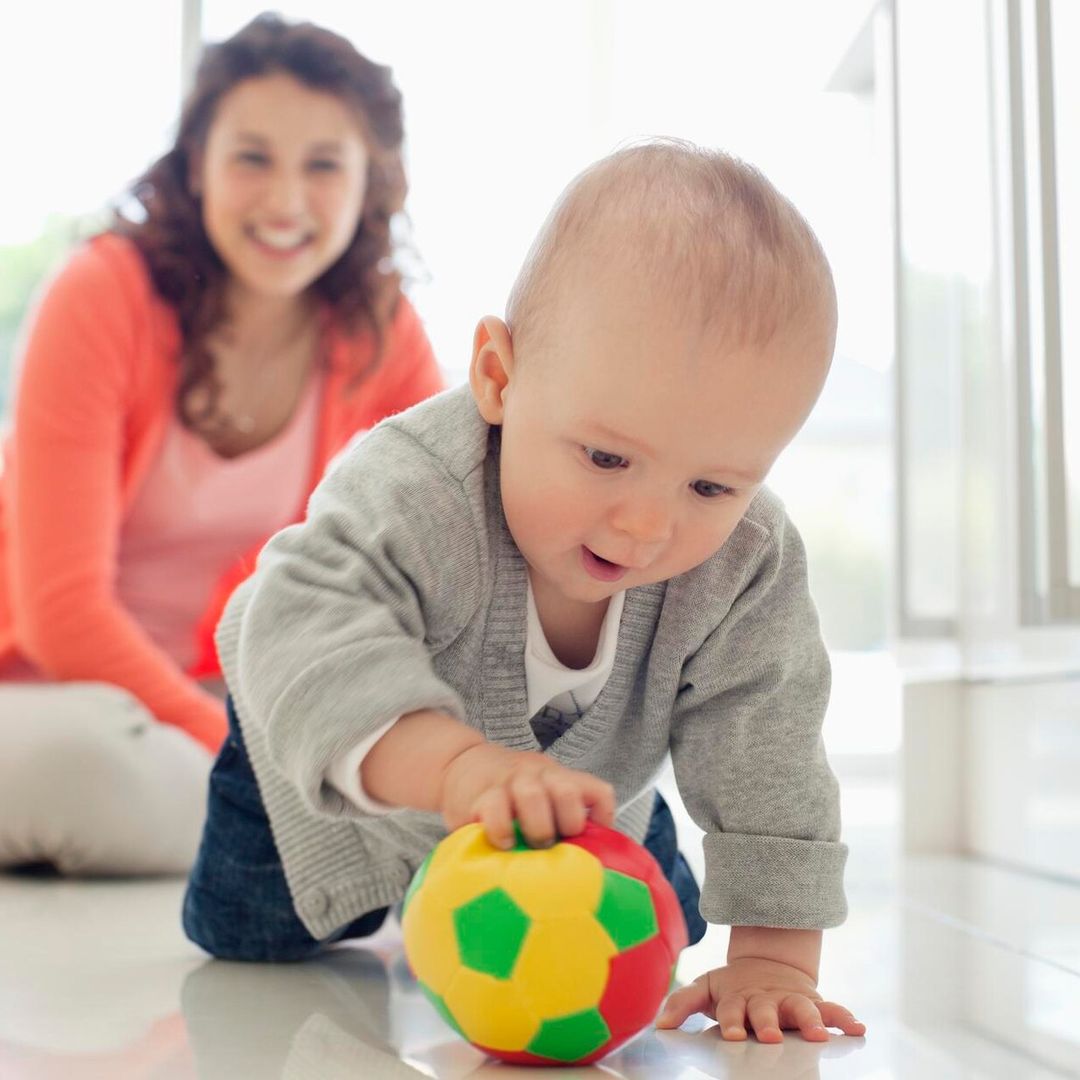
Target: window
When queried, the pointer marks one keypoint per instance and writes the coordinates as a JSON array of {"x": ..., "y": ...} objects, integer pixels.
[
  {"x": 1040, "y": 86},
  {"x": 988, "y": 170},
  {"x": 89, "y": 95},
  {"x": 944, "y": 282},
  {"x": 1065, "y": 24}
]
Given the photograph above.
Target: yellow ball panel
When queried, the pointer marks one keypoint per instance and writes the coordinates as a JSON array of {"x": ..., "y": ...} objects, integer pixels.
[
  {"x": 489, "y": 1011},
  {"x": 563, "y": 965},
  {"x": 430, "y": 941},
  {"x": 464, "y": 867},
  {"x": 454, "y": 886},
  {"x": 464, "y": 843},
  {"x": 531, "y": 880}
]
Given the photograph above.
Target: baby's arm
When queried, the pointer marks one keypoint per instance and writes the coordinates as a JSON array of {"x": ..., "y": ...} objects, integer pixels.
[
  {"x": 430, "y": 761},
  {"x": 751, "y": 766}
]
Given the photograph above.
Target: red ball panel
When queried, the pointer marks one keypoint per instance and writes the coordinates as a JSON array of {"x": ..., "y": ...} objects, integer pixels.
[
  {"x": 615, "y": 850},
  {"x": 669, "y": 916},
  {"x": 636, "y": 987}
]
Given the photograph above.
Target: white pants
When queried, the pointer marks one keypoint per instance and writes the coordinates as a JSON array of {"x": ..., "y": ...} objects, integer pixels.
[{"x": 92, "y": 783}]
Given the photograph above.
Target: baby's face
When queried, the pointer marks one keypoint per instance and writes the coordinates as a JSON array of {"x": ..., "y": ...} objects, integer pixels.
[{"x": 632, "y": 445}]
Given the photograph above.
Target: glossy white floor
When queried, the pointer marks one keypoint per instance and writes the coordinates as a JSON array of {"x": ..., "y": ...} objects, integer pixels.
[{"x": 959, "y": 969}]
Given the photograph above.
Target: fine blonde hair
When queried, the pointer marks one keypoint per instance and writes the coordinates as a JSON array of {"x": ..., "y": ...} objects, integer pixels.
[{"x": 702, "y": 228}]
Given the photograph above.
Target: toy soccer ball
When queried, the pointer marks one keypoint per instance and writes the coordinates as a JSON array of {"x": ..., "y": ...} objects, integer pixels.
[{"x": 543, "y": 956}]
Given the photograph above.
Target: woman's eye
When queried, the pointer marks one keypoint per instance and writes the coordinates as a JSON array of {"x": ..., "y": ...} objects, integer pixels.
[
  {"x": 603, "y": 460},
  {"x": 708, "y": 490},
  {"x": 250, "y": 157}
]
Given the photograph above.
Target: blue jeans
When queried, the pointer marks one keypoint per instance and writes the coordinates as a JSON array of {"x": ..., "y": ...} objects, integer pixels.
[{"x": 237, "y": 905}]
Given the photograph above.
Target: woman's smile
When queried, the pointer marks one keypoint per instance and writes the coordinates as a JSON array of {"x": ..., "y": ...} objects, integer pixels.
[{"x": 279, "y": 243}]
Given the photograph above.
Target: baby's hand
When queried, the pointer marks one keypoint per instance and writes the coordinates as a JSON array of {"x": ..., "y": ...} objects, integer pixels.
[
  {"x": 494, "y": 785},
  {"x": 763, "y": 994}
]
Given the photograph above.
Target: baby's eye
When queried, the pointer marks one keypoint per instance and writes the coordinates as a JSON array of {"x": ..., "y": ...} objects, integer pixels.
[
  {"x": 603, "y": 460},
  {"x": 323, "y": 165},
  {"x": 708, "y": 490}
]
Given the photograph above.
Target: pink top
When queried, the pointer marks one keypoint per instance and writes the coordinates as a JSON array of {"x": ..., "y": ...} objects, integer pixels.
[
  {"x": 97, "y": 384},
  {"x": 196, "y": 512}
]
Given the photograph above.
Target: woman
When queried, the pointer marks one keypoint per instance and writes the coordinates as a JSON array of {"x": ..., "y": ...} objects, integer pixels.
[{"x": 186, "y": 378}]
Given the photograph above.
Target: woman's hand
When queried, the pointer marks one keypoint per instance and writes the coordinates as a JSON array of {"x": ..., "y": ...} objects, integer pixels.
[{"x": 494, "y": 785}]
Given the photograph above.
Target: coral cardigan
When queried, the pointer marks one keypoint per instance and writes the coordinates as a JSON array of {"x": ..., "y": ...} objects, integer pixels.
[{"x": 96, "y": 388}]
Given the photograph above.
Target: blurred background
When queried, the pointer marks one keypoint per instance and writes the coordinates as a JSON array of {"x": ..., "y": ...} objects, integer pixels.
[{"x": 934, "y": 148}]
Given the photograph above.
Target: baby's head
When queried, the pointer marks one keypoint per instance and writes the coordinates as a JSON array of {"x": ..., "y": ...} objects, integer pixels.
[{"x": 666, "y": 338}]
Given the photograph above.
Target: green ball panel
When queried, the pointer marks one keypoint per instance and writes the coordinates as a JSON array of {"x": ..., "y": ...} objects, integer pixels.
[
  {"x": 417, "y": 881},
  {"x": 626, "y": 910},
  {"x": 490, "y": 931},
  {"x": 570, "y": 1038},
  {"x": 441, "y": 1008}
]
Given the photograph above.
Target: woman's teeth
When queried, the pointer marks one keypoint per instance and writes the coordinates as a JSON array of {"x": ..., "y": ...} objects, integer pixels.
[{"x": 280, "y": 241}]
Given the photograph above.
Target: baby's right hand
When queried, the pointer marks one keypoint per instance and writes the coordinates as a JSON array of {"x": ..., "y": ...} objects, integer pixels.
[{"x": 494, "y": 785}]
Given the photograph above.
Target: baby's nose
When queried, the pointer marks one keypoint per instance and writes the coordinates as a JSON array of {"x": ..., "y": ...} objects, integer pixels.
[{"x": 646, "y": 521}]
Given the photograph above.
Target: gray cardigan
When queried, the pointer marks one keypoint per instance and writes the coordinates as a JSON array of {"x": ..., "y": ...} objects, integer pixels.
[{"x": 403, "y": 590}]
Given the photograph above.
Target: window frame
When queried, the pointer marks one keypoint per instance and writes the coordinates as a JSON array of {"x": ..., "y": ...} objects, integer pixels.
[{"x": 1046, "y": 593}]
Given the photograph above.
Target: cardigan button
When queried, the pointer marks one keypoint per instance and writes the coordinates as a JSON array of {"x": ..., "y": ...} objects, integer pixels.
[{"x": 315, "y": 902}]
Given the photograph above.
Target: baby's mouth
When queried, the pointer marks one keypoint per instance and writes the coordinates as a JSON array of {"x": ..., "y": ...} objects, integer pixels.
[{"x": 599, "y": 567}]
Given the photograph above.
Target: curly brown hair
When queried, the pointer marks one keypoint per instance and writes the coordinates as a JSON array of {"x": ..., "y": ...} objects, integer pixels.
[{"x": 361, "y": 288}]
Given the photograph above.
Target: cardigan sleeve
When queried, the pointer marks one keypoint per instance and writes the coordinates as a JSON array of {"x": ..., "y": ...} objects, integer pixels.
[
  {"x": 70, "y": 426},
  {"x": 335, "y": 632},
  {"x": 749, "y": 758}
]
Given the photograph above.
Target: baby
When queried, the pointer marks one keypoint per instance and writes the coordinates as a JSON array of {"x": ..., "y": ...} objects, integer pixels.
[{"x": 513, "y": 601}]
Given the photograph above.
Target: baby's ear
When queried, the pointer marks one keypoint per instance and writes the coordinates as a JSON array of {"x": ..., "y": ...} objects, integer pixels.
[{"x": 492, "y": 362}]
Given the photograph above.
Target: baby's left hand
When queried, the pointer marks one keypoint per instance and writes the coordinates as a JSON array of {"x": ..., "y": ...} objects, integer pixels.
[{"x": 768, "y": 994}]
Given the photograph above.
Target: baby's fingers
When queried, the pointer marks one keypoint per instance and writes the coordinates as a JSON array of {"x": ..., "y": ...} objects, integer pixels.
[
  {"x": 532, "y": 807},
  {"x": 493, "y": 811},
  {"x": 685, "y": 1002},
  {"x": 599, "y": 797},
  {"x": 764, "y": 1018},
  {"x": 833, "y": 1015},
  {"x": 731, "y": 1016},
  {"x": 569, "y": 807},
  {"x": 798, "y": 1011},
  {"x": 577, "y": 796}
]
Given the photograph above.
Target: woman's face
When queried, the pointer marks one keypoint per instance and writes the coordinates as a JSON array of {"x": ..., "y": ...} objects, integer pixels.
[{"x": 282, "y": 179}]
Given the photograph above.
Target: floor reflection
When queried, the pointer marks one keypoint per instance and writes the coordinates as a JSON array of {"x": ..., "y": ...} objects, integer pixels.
[
  {"x": 328, "y": 1017},
  {"x": 350, "y": 1014},
  {"x": 959, "y": 971}
]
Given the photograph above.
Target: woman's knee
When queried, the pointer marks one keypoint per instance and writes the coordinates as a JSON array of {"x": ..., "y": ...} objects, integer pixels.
[{"x": 94, "y": 785}]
